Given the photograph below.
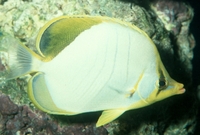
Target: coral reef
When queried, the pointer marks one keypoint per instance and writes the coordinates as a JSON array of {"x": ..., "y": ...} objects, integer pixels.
[
  {"x": 176, "y": 17},
  {"x": 167, "y": 23},
  {"x": 22, "y": 120}
]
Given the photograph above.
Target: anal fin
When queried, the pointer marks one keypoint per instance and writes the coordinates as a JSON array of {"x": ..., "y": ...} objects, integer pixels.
[
  {"x": 40, "y": 96},
  {"x": 108, "y": 116}
]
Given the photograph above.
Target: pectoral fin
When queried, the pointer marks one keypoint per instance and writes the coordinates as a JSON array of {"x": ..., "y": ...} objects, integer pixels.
[{"x": 108, "y": 116}]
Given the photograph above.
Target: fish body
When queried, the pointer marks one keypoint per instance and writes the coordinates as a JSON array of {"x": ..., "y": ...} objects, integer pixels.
[{"x": 88, "y": 64}]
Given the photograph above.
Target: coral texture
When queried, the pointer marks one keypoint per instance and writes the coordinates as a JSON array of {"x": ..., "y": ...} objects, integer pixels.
[
  {"x": 22, "y": 120},
  {"x": 176, "y": 17}
]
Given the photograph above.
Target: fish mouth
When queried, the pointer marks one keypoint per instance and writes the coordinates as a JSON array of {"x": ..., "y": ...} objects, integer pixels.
[{"x": 181, "y": 89}]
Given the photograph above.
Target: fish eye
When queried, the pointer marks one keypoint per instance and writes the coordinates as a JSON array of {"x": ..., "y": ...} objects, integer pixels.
[{"x": 162, "y": 83}]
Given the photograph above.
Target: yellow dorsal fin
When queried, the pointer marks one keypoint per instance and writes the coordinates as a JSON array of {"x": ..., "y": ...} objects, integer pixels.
[
  {"x": 108, "y": 116},
  {"x": 60, "y": 32}
]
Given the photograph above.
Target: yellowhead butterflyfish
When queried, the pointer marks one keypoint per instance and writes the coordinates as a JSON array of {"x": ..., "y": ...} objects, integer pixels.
[{"x": 88, "y": 64}]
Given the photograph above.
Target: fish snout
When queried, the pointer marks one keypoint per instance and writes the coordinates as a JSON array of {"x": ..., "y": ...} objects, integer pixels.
[{"x": 180, "y": 88}]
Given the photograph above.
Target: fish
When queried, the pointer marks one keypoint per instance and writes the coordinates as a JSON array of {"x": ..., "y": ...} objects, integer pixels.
[{"x": 88, "y": 64}]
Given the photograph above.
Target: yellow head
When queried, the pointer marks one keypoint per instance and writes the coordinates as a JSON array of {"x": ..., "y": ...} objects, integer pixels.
[{"x": 164, "y": 86}]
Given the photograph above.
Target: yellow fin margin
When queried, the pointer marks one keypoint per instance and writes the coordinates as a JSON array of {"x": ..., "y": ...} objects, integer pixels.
[
  {"x": 41, "y": 98},
  {"x": 108, "y": 116},
  {"x": 59, "y": 32}
]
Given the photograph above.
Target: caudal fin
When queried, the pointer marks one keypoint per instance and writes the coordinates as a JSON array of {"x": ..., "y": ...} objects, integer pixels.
[{"x": 15, "y": 58}]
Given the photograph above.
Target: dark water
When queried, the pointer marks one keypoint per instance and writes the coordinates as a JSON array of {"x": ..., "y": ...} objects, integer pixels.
[{"x": 195, "y": 29}]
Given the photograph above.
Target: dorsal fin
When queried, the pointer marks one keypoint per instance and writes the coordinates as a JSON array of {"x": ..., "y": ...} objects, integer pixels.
[{"x": 60, "y": 32}]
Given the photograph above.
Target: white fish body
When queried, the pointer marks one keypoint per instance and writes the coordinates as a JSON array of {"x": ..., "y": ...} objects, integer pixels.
[{"x": 111, "y": 66}]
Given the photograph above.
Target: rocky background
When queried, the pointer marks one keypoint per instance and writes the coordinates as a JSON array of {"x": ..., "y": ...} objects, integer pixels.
[
  {"x": 195, "y": 28},
  {"x": 167, "y": 22}
]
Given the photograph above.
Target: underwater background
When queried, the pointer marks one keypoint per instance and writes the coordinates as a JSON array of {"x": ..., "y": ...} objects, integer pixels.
[
  {"x": 173, "y": 26},
  {"x": 195, "y": 27}
]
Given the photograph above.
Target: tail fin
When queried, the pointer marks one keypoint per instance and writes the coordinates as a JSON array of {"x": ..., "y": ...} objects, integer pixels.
[{"x": 15, "y": 58}]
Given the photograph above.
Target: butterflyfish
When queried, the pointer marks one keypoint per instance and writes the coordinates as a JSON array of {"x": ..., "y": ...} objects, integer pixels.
[{"x": 87, "y": 64}]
